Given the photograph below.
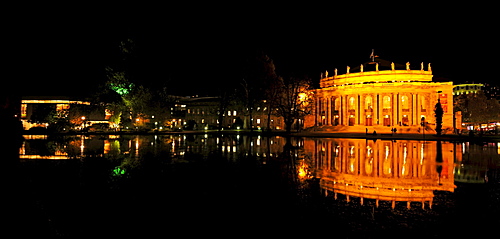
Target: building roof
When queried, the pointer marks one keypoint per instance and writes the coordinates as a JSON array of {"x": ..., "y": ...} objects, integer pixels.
[{"x": 382, "y": 65}]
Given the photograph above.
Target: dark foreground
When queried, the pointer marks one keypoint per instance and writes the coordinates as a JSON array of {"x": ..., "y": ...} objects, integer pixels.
[{"x": 212, "y": 197}]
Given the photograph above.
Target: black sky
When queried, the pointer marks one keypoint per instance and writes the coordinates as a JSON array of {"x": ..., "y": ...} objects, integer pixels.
[{"x": 195, "y": 49}]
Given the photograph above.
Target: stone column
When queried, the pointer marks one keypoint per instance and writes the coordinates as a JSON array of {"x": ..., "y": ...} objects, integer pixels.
[
  {"x": 329, "y": 111},
  {"x": 378, "y": 109},
  {"x": 357, "y": 112},
  {"x": 417, "y": 109},
  {"x": 412, "y": 109},
  {"x": 345, "y": 112},
  {"x": 395, "y": 108}
]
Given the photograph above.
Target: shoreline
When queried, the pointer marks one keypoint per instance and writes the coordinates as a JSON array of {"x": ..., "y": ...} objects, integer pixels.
[{"x": 321, "y": 134}]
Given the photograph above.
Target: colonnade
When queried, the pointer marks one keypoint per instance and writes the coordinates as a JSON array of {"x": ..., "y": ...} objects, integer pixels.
[{"x": 372, "y": 109}]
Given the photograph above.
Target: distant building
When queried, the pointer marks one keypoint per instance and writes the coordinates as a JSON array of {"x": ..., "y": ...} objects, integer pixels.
[
  {"x": 205, "y": 111},
  {"x": 35, "y": 109},
  {"x": 380, "y": 95},
  {"x": 466, "y": 89}
]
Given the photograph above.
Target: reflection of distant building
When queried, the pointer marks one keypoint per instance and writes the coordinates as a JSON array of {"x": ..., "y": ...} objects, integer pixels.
[
  {"x": 477, "y": 159},
  {"x": 383, "y": 170}
]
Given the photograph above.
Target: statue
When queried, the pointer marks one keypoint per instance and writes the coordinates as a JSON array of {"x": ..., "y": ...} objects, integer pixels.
[
  {"x": 422, "y": 66},
  {"x": 335, "y": 71},
  {"x": 348, "y": 68},
  {"x": 326, "y": 74},
  {"x": 392, "y": 65},
  {"x": 429, "y": 67},
  {"x": 376, "y": 66},
  {"x": 408, "y": 66},
  {"x": 361, "y": 67}
]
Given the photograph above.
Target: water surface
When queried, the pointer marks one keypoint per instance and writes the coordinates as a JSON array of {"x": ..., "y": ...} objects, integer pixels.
[{"x": 238, "y": 185}]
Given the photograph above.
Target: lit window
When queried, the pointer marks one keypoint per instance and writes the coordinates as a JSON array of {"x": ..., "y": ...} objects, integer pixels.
[
  {"x": 387, "y": 102},
  {"x": 368, "y": 102},
  {"x": 404, "y": 102},
  {"x": 258, "y": 121},
  {"x": 234, "y": 113},
  {"x": 351, "y": 103}
]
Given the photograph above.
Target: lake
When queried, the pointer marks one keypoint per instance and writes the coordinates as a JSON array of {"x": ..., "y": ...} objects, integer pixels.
[{"x": 231, "y": 185}]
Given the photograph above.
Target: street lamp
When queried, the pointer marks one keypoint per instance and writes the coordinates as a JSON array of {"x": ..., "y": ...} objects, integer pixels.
[{"x": 83, "y": 119}]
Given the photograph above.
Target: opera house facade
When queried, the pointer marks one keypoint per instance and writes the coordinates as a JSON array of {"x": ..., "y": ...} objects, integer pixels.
[{"x": 380, "y": 95}]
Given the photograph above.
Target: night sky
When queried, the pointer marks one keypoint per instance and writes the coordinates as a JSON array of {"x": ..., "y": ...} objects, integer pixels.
[{"x": 194, "y": 49}]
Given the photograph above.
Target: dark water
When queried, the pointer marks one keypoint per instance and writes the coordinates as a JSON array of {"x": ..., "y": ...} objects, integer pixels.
[{"x": 239, "y": 186}]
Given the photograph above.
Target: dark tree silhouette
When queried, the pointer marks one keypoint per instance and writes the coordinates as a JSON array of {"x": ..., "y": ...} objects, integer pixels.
[{"x": 438, "y": 110}]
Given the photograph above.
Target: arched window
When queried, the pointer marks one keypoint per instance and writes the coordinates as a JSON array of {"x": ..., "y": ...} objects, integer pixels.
[
  {"x": 337, "y": 104},
  {"x": 352, "y": 105},
  {"x": 405, "y": 104},
  {"x": 368, "y": 102},
  {"x": 422, "y": 102},
  {"x": 387, "y": 102}
]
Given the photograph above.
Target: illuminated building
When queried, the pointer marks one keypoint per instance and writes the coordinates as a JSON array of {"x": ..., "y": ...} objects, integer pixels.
[
  {"x": 466, "y": 89},
  {"x": 407, "y": 171},
  {"x": 380, "y": 95},
  {"x": 205, "y": 111},
  {"x": 61, "y": 105}
]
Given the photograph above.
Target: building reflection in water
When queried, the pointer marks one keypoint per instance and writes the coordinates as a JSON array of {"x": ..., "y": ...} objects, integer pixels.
[
  {"x": 135, "y": 146},
  {"x": 382, "y": 170}
]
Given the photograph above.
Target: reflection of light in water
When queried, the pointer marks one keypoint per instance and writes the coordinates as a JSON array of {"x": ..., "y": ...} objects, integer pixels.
[
  {"x": 369, "y": 151},
  {"x": 422, "y": 154},
  {"x": 82, "y": 146},
  {"x": 352, "y": 158},
  {"x": 107, "y": 146},
  {"x": 386, "y": 151},
  {"x": 137, "y": 146},
  {"x": 302, "y": 170},
  {"x": 369, "y": 160},
  {"x": 404, "y": 172}
]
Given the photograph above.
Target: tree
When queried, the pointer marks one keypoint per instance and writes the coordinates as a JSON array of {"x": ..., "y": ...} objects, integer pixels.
[
  {"x": 438, "y": 110},
  {"x": 226, "y": 97},
  {"x": 294, "y": 100},
  {"x": 258, "y": 75},
  {"x": 477, "y": 108}
]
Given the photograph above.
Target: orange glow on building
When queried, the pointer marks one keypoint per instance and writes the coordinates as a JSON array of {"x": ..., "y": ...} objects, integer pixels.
[{"x": 381, "y": 99}]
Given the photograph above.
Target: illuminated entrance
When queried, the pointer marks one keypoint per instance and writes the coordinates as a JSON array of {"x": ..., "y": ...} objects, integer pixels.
[
  {"x": 369, "y": 120},
  {"x": 387, "y": 120}
]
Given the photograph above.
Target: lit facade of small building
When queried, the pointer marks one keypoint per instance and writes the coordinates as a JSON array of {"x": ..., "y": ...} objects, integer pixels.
[
  {"x": 466, "y": 89},
  {"x": 62, "y": 107},
  {"x": 380, "y": 99}
]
